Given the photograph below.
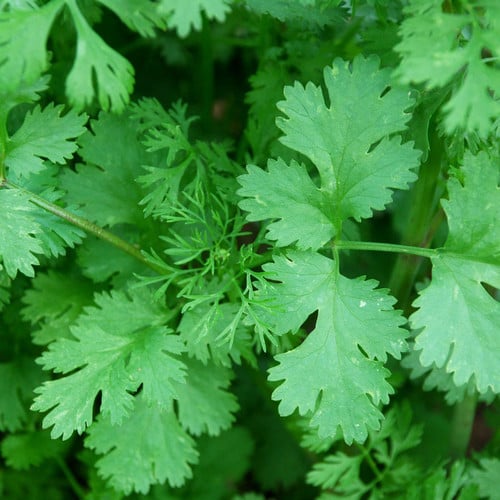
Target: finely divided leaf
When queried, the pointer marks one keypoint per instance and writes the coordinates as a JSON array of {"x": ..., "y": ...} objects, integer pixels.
[
  {"x": 458, "y": 316},
  {"x": 44, "y": 134},
  {"x": 116, "y": 349},
  {"x": 148, "y": 448},
  {"x": 336, "y": 375}
]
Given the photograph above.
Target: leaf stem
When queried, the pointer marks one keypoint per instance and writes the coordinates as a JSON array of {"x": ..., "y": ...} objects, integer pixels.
[
  {"x": 373, "y": 246},
  {"x": 461, "y": 426},
  {"x": 88, "y": 227},
  {"x": 75, "y": 486}
]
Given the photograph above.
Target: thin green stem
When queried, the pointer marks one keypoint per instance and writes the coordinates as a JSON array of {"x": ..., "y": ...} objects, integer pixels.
[
  {"x": 207, "y": 73},
  {"x": 461, "y": 426},
  {"x": 75, "y": 486},
  {"x": 3, "y": 144},
  {"x": 372, "y": 246},
  {"x": 88, "y": 227}
]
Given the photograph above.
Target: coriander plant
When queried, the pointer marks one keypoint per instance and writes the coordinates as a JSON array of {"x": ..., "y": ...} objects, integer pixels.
[{"x": 249, "y": 249}]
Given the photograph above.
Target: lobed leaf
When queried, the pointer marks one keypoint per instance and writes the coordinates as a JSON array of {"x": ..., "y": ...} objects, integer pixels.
[
  {"x": 457, "y": 316},
  {"x": 336, "y": 375},
  {"x": 44, "y": 134},
  {"x": 134, "y": 460}
]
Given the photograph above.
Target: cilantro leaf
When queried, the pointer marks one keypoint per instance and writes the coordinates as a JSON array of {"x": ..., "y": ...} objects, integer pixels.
[
  {"x": 54, "y": 302},
  {"x": 116, "y": 348},
  {"x": 98, "y": 185},
  {"x": 19, "y": 243},
  {"x": 439, "y": 47},
  {"x": 23, "y": 39},
  {"x": 185, "y": 16},
  {"x": 113, "y": 74},
  {"x": 24, "y": 450},
  {"x": 203, "y": 401},
  {"x": 286, "y": 193},
  {"x": 458, "y": 317},
  {"x": 45, "y": 134},
  {"x": 352, "y": 144},
  {"x": 17, "y": 380},
  {"x": 486, "y": 477},
  {"x": 337, "y": 373},
  {"x": 134, "y": 460},
  {"x": 139, "y": 15}
]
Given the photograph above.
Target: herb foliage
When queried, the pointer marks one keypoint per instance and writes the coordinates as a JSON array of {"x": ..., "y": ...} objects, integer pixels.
[{"x": 294, "y": 295}]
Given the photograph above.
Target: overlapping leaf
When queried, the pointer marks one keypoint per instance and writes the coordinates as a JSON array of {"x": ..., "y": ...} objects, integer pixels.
[
  {"x": 185, "y": 17},
  {"x": 116, "y": 348},
  {"x": 438, "y": 46},
  {"x": 23, "y": 39},
  {"x": 97, "y": 70},
  {"x": 336, "y": 375},
  {"x": 458, "y": 317},
  {"x": 350, "y": 140},
  {"x": 45, "y": 134},
  {"x": 148, "y": 448}
]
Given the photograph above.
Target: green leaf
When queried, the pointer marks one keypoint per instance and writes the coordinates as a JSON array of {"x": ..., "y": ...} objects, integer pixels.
[
  {"x": 352, "y": 144},
  {"x": 286, "y": 193},
  {"x": 161, "y": 451},
  {"x": 54, "y": 302},
  {"x": 439, "y": 47},
  {"x": 28, "y": 449},
  {"x": 117, "y": 347},
  {"x": 204, "y": 403},
  {"x": 97, "y": 62},
  {"x": 486, "y": 477},
  {"x": 202, "y": 328},
  {"x": 19, "y": 230},
  {"x": 23, "y": 39},
  {"x": 45, "y": 134},
  {"x": 105, "y": 187},
  {"x": 224, "y": 460},
  {"x": 458, "y": 317},
  {"x": 17, "y": 380},
  {"x": 139, "y": 15},
  {"x": 186, "y": 16},
  {"x": 337, "y": 373}
]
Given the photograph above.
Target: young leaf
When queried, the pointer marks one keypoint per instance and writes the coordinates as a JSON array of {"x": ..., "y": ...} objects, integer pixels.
[
  {"x": 337, "y": 373},
  {"x": 458, "y": 317},
  {"x": 148, "y": 448},
  {"x": 117, "y": 348},
  {"x": 45, "y": 134}
]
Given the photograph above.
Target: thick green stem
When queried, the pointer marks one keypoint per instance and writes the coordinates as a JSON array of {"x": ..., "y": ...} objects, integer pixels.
[
  {"x": 424, "y": 204},
  {"x": 88, "y": 227},
  {"x": 461, "y": 426}
]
